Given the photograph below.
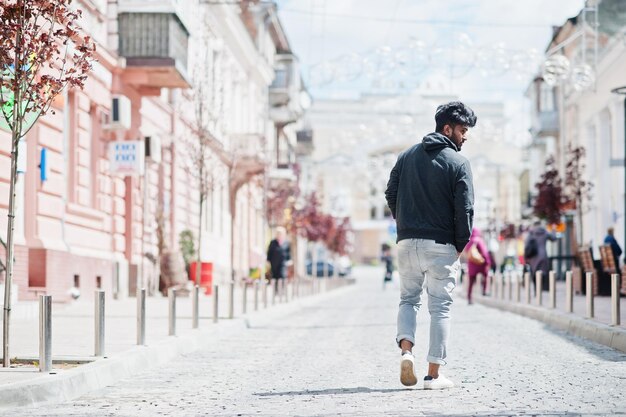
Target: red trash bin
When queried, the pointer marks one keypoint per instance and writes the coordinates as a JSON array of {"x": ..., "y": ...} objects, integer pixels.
[{"x": 206, "y": 275}]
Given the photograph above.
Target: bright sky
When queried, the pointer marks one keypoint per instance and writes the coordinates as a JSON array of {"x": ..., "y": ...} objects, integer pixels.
[{"x": 465, "y": 39}]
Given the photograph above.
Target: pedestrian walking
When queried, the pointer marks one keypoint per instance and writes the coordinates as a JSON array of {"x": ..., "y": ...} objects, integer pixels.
[
  {"x": 610, "y": 240},
  {"x": 278, "y": 254},
  {"x": 535, "y": 254},
  {"x": 431, "y": 197},
  {"x": 478, "y": 262}
]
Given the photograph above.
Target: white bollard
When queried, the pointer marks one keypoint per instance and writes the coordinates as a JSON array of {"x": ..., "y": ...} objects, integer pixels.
[
  {"x": 527, "y": 286},
  {"x": 99, "y": 323},
  {"x": 141, "y": 316},
  {"x": 552, "y": 278},
  {"x": 171, "y": 296},
  {"x": 244, "y": 295},
  {"x": 195, "y": 306},
  {"x": 589, "y": 295},
  {"x": 216, "y": 306},
  {"x": 538, "y": 286},
  {"x": 569, "y": 292},
  {"x": 615, "y": 307},
  {"x": 231, "y": 300},
  {"x": 45, "y": 333}
]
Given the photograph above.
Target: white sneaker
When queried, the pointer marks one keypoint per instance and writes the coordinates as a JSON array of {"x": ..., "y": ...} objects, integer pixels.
[
  {"x": 407, "y": 370},
  {"x": 440, "y": 383}
]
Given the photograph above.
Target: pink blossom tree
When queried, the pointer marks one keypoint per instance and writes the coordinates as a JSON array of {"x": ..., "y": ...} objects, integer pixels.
[{"x": 42, "y": 52}]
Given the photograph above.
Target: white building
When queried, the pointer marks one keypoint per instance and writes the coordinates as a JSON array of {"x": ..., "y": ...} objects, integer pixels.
[
  {"x": 359, "y": 140},
  {"x": 592, "y": 118}
]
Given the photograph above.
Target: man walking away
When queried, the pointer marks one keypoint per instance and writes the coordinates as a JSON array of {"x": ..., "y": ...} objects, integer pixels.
[
  {"x": 430, "y": 194},
  {"x": 536, "y": 255},
  {"x": 610, "y": 240}
]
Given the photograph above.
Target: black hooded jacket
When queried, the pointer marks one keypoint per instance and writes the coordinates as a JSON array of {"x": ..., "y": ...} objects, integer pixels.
[{"x": 430, "y": 193}]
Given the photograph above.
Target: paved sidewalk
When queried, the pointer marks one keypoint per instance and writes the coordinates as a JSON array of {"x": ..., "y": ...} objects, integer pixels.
[
  {"x": 73, "y": 329},
  {"x": 602, "y": 304},
  {"x": 335, "y": 355}
]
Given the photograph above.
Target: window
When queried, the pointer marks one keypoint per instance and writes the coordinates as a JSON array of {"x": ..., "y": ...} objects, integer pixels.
[{"x": 546, "y": 98}]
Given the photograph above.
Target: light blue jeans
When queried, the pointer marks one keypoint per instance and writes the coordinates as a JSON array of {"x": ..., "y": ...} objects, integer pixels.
[{"x": 436, "y": 266}]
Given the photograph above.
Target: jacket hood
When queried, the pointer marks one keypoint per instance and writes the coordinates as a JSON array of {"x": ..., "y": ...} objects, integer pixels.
[{"x": 434, "y": 141}]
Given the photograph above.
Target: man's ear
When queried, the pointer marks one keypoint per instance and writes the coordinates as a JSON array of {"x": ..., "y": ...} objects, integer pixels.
[{"x": 447, "y": 130}]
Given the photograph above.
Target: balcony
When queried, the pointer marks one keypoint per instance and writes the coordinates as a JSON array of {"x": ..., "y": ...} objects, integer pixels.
[
  {"x": 304, "y": 142},
  {"x": 249, "y": 158},
  {"x": 155, "y": 47},
  {"x": 545, "y": 123},
  {"x": 285, "y": 92}
]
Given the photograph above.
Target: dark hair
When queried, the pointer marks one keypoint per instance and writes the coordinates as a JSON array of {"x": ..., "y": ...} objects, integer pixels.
[{"x": 454, "y": 113}]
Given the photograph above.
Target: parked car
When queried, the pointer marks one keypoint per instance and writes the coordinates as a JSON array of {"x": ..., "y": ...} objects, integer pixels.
[
  {"x": 320, "y": 268},
  {"x": 343, "y": 268}
]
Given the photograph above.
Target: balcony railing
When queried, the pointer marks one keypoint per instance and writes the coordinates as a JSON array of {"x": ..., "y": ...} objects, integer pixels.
[
  {"x": 284, "y": 93},
  {"x": 155, "y": 48},
  {"x": 304, "y": 142},
  {"x": 546, "y": 123}
]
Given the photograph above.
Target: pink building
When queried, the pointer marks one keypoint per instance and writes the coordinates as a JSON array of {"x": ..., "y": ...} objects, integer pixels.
[{"x": 87, "y": 226}]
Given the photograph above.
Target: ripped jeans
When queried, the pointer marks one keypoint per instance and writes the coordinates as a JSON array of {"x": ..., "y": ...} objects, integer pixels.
[{"x": 435, "y": 266}]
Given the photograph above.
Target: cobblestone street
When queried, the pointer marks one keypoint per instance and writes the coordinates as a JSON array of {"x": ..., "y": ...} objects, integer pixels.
[{"x": 335, "y": 355}]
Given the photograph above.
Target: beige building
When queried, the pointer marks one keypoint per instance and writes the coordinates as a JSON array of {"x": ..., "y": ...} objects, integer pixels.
[
  {"x": 564, "y": 113},
  {"x": 358, "y": 141}
]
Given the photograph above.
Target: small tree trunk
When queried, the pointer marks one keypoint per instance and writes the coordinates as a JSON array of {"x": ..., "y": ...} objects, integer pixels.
[
  {"x": 198, "y": 261},
  {"x": 9, "y": 254},
  {"x": 232, "y": 198},
  {"x": 579, "y": 208}
]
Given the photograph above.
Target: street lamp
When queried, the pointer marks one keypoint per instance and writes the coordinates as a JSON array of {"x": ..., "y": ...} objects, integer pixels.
[{"x": 622, "y": 91}]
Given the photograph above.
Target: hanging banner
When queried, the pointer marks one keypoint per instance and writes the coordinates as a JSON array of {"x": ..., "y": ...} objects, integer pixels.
[{"x": 127, "y": 157}]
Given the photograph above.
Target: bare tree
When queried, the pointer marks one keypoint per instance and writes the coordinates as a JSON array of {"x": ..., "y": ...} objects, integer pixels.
[
  {"x": 41, "y": 52},
  {"x": 577, "y": 187}
]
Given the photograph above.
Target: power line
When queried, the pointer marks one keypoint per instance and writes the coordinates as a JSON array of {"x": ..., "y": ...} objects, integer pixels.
[{"x": 420, "y": 21}]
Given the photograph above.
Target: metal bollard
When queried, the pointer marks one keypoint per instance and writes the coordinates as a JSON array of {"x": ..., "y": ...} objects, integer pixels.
[
  {"x": 216, "y": 306},
  {"x": 274, "y": 284},
  {"x": 195, "y": 306},
  {"x": 538, "y": 287},
  {"x": 615, "y": 307},
  {"x": 509, "y": 285},
  {"x": 589, "y": 294},
  {"x": 141, "y": 316},
  {"x": 518, "y": 297},
  {"x": 569, "y": 292},
  {"x": 171, "y": 296},
  {"x": 552, "y": 278},
  {"x": 99, "y": 323},
  {"x": 527, "y": 287},
  {"x": 244, "y": 298},
  {"x": 45, "y": 333},
  {"x": 501, "y": 279},
  {"x": 231, "y": 301},
  {"x": 256, "y": 295},
  {"x": 264, "y": 284},
  {"x": 283, "y": 290}
]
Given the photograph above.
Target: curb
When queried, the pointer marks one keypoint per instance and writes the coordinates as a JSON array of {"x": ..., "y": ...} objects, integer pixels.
[
  {"x": 67, "y": 385},
  {"x": 611, "y": 336}
]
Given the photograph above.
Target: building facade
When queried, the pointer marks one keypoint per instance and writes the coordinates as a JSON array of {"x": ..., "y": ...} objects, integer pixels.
[
  {"x": 359, "y": 141},
  {"x": 168, "y": 72},
  {"x": 566, "y": 115}
]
